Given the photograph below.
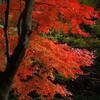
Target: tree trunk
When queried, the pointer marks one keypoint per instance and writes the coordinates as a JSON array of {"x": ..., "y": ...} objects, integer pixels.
[{"x": 6, "y": 79}]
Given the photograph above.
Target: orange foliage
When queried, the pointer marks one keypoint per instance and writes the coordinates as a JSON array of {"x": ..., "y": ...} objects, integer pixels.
[{"x": 52, "y": 57}]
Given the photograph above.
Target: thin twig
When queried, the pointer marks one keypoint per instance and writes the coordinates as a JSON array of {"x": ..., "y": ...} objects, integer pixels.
[
  {"x": 53, "y": 5},
  {"x": 5, "y": 30}
]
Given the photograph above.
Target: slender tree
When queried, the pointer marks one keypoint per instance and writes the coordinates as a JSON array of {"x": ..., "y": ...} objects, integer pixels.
[{"x": 15, "y": 59}]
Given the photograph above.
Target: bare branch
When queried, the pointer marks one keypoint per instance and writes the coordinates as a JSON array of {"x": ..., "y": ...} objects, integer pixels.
[
  {"x": 19, "y": 24},
  {"x": 5, "y": 30}
]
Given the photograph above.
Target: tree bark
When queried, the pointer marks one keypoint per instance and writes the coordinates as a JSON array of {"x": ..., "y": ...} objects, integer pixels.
[{"x": 15, "y": 59}]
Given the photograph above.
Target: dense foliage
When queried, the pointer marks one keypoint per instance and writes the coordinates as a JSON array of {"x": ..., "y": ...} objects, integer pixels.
[{"x": 43, "y": 56}]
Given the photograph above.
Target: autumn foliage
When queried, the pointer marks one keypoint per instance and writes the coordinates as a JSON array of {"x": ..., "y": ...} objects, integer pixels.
[{"x": 43, "y": 56}]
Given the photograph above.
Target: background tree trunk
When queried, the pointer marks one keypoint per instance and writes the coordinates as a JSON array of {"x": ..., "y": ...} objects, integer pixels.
[{"x": 15, "y": 59}]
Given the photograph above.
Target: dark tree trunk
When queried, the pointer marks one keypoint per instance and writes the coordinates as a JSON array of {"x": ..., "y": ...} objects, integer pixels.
[{"x": 6, "y": 79}]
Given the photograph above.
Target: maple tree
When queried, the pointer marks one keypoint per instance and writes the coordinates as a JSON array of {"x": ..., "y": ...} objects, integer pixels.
[{"x": 19, "y": 69}]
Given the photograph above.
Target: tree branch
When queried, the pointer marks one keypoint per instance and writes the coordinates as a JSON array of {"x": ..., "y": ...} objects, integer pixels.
[
  {"x": 5, "y": 30},
  {"x": 45, "y": 4},
  {"x": 19, "y": 24}
]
